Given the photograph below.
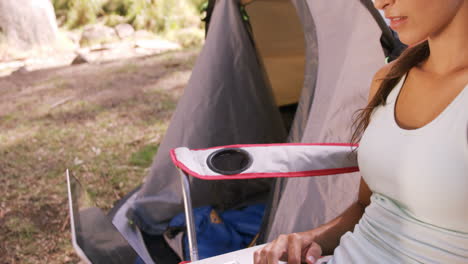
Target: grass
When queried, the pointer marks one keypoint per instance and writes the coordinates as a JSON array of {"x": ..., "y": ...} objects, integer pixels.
[
  {"x": 106, "y": 132},
  {"x": 24, "y": 228},
  {"x": 144, "y": 156}
]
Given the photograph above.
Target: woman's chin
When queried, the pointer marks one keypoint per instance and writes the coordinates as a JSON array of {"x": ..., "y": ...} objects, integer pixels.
[{"x": 410, "y": 40}]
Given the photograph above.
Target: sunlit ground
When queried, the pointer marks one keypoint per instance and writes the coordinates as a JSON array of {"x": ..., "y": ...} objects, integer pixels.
[{"x": 102, "y": 121}]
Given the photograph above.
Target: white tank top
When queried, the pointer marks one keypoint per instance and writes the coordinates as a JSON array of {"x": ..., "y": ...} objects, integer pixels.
[
  {"x": 419, "y": 178},
  {"x": 425, "y": 170}
]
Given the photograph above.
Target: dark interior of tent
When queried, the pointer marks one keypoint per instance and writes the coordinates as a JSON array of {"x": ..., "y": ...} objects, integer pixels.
[{"x": 280, "y": 41}]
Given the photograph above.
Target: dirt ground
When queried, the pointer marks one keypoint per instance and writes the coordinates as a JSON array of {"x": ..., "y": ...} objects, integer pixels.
[{"x": 103, "y": 121}]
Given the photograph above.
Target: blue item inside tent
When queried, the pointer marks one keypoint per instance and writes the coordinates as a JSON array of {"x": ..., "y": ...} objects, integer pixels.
[{"x": 220, "y": 233}]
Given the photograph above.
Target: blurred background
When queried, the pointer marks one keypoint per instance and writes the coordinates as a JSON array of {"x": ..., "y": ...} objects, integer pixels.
[
  {"x": 88, "y": 85},
  {"x": 57, "y": 29}
]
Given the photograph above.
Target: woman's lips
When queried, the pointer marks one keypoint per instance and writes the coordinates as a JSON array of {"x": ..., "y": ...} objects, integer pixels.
[{"x": 397, "y": 21}]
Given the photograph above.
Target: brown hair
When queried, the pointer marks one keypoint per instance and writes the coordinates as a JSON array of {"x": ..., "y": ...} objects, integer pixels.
[{"x": 407, "y": 60}]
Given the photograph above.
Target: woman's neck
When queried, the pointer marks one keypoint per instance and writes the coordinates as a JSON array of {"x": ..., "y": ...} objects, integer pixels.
[{"x": 449, "y": 53}]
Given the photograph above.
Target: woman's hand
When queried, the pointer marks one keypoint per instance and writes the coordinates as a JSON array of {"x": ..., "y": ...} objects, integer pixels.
[
  {"x": 304, "y": 247},
  {"x": 294, "y": 248}
]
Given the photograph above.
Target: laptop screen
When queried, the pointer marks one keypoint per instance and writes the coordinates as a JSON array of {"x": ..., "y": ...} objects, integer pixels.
[{"x": 94, "y": 236}]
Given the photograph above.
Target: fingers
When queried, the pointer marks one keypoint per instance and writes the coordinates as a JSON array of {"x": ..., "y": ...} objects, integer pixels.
[
  {"x": 285, "y": 247},
  {"x": 261, "y": 255},
  {"x": 257, "y": 258},
  {"x": 313, "y": 253},
  {"x": 294, "y": 249},
  {"x": 278, "y": 249},
  {"x": 272, "y": 252}
]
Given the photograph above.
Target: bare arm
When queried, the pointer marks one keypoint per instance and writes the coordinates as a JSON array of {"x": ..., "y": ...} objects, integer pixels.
[
  {"x": 308, "y": 246},
  {"x": 328, "y": 236}
]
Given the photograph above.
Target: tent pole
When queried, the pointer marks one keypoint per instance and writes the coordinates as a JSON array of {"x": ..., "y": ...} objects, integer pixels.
[{"x": 189, "y": 218}]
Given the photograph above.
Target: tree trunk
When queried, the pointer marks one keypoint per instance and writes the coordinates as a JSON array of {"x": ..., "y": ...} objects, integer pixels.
[{"x": 28, "y": 23}]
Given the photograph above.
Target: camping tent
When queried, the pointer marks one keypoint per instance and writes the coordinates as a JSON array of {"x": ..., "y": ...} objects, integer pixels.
[
  {"x": 349, "y": 53},
  {"x": 229, "y": 100}
]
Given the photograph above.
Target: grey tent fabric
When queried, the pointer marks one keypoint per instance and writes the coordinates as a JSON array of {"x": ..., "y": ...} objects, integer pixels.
[
  {"x": 310, "y": 74},
  {"x": 228, "y": 100},
  {"x": 302, "y": 113},
  {"x": 349, "y": 53}
]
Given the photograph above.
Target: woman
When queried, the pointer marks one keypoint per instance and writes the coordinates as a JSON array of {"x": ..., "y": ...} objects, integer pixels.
[{"x": 413, "y": 152}]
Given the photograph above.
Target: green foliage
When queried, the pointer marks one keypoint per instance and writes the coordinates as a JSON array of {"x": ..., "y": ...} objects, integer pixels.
[
  {"x": 113, "y": 20},
  {"x": 188, "y": 37},
  {"x": 61, "y": 7},
  {"x": 82, "y": 12},
  {"x": 158, "y": 16},
  {"x": 144, "y": 156}
]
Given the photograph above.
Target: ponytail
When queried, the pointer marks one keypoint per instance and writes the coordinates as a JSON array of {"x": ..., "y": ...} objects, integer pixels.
[{"x": 407, "y": 60}]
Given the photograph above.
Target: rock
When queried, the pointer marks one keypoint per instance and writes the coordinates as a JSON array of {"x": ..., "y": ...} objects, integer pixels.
[
  {"x": 28, "y": 23},
  {"x": 79, "y": 59},
  {"x": 143, "y": 34},
  {"x": 157, "y": 44},
  {"x": 97, "y": 34},
  {"x": 73, "y": 36},
  {"x": 124, "y": 30}
]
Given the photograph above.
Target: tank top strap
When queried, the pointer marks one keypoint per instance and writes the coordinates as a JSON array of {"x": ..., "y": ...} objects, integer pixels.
[{"x": 464, "y": 95}]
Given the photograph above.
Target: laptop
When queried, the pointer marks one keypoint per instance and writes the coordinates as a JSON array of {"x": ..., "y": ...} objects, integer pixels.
[
  {"x": 243, "y": 256},
  {"x": 94, "y": 237}
]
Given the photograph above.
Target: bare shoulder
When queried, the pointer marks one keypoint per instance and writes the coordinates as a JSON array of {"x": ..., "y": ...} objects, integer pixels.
[{"x": 378, "y": 77}]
